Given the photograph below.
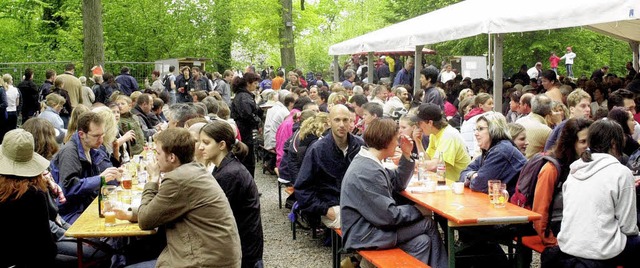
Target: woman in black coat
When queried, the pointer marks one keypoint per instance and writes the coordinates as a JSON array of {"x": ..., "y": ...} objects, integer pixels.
[
  {"x": 246, "y": 114},
  {"x": 220, "y": 147}
]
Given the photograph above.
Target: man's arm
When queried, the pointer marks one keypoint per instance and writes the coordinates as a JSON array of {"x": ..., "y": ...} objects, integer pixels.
[
  {"x": 306, "y": 184},
  {"x": 70, "y": 177},
  {"x": 160, "y": 206}
]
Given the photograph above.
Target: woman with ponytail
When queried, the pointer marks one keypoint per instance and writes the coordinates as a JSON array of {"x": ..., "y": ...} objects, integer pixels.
[
  {"x": 599, "y": 216},
  {"x": 220, "y": 146}
]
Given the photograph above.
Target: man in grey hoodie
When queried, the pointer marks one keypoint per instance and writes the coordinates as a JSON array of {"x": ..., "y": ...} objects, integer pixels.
[{"x": 599, "y": 215}]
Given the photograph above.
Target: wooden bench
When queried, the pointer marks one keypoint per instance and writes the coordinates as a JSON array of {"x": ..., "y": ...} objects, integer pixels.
[{"x": 381, "y": 258}]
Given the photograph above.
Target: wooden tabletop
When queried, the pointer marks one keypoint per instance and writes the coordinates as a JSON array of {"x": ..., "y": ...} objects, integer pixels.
[
  {"x": 470, "y": 208},
  {"x": 90, "y": 225}
]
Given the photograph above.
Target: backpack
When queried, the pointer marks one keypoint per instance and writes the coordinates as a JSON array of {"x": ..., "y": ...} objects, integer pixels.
[
  {"x": 528, "y": 178},
  {"x": 166, "y": 81}
]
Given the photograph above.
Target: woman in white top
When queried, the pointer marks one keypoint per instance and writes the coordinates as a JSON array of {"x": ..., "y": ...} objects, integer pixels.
[{"x": 13, "y": 100}]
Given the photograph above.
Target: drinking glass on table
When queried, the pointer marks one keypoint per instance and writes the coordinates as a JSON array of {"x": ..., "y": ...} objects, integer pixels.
[
  {"x": 493, "y": 190},
  {"x": 110, "y": 201}
]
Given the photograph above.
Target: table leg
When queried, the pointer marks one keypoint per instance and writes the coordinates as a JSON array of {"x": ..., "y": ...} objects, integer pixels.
[
  {"x": 451, "y": 246},
  {"x": 80, "y": 253},
  {"x": 520, "y": 262}
]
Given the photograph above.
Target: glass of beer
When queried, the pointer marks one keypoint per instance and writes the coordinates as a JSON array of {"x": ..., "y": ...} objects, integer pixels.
[
  {"x": 110, "y": 199},
  {"x": 126, "y": 183}
]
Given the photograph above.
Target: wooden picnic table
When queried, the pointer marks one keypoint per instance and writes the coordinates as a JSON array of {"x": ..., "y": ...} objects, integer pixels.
[{"x": 470, "y": 209}]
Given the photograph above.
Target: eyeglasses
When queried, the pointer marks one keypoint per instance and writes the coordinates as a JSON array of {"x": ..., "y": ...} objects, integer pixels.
[{"x": 481, "y": 128}]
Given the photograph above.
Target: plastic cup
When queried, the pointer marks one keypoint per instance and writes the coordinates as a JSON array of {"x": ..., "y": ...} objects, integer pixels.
[
  {"x": 431, "y": 186},
  {"x": 458, "y": 187}
]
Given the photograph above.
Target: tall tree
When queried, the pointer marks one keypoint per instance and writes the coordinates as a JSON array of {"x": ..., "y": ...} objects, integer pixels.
[
  {"x": 93, "y": 39},
  {"x": 287, "y": 47}
]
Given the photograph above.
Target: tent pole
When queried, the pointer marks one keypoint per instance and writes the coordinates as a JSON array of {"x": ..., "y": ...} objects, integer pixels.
[
  {"x": 497, "y": 72},
  {"x": 370, "y": 67},
  {"x": 635, "y": 47},
  {"x": 336, "y": 69},
  {"x": 489, "y": 56},
  {"x": 417, "y": 67}
]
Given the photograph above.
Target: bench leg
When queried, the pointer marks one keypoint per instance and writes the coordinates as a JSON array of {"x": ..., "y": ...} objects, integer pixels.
[
  {"x": 293, "y": 230},
  {"x": 451, "y": 246},
  {"x": 335, "y": 254},
  {"x": 279, "y": 195}
]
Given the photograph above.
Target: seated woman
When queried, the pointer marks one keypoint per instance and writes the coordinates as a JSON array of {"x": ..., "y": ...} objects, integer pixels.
[
  {"x": 219, "y": 146},
  {"x": 55, "y": 103},
  {"x": 483, "y": 103},
  {"x": 24, "y": 191},
  {"x": 296, "y": 146},
  {"x": 370, "y": 216},
  {"x": 518, "y": 136},
  {"x": 500, "y": 159},
  {"x": 599, "y": 216},
  {"x": 548, "y": 194},
  {"x": 625, "y": 119}
]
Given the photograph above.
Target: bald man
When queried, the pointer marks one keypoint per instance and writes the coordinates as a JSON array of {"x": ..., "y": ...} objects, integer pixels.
[{"x": 317, "y": 187}]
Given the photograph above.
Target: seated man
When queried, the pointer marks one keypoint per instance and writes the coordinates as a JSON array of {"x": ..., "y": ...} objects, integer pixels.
[
  {"x": 200, "y": 228},
  {"x": 76, "y": 167},
  {"x": 371, "y": 217},
  {"x": 143, "y": 107},
  {"x": 442, "y": 139},
  {"x": 317, "y": 187}
]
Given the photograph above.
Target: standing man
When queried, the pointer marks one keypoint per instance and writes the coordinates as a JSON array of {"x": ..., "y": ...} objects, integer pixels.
[
  {"x": 29, "y": 96},
  {"x": 553, "y": 62},
  {"x": 224, "y": 87},
  {"x": 599, "y": 74},
  {"x": 428, "y": 78},
  {"x": 79, "y": 165},
  {"x": 198, "y": 81},
  {"x": 188, "y": 201},
  {"x": 317, "y": 187},
  {"x": 128, "y": 84},
  {"x": 71, "y": 84},
  {"x": 45, "y": 89},
  {"x": 349, "y": 78},
  {"x": 405, "y": 76},
  {"x": 535, "y": 71},
  {"x": 447, "y": 75},
  {"x": 169, "y": 82},
  {"x": 568, "y": 61}
]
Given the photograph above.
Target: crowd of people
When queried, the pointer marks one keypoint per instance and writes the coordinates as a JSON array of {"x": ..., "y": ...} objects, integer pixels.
[{"x": 330, "y": 141}]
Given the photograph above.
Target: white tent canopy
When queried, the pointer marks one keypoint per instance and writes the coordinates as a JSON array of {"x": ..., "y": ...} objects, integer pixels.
[{"x": 617, "y": 18}]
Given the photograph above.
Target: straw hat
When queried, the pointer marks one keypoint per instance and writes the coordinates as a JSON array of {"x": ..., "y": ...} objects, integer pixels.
[{"x": 17, "y": 157}]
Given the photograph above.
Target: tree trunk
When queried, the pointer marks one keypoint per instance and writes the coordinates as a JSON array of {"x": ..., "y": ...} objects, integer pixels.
[
  {"x": 287, "y": 47},
  {"x": 93, "y": 35}
]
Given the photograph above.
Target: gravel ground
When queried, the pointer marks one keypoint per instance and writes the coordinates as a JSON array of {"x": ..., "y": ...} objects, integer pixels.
[{"x": 279, "y": 249}]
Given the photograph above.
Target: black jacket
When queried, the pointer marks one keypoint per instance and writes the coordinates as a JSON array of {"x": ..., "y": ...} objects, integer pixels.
[
  {"x": 246, "y": 114},
  {"x": 29, "y": 98},
  {"x": 242, "y": 192}
]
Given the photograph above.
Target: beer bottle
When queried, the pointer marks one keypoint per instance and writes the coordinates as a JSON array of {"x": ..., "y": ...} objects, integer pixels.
[
  {"x": 441, "y": 170},
  {"x": 103, "y": 182}
]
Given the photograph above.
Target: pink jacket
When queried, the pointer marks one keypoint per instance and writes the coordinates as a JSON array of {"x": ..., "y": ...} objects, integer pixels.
[{"x": 284, "y": 132}]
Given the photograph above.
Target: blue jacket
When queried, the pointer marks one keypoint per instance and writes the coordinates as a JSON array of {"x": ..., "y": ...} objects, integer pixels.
[
  {"x": 403, "y": 77},
  {"x": 128, "y": 84},
  {"x": 317, "y": 187},
  {"x": 502, "y": 161},
  {"x": 78, "y": 178}
]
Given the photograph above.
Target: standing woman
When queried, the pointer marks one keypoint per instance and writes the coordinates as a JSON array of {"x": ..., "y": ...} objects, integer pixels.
[
  {"x": 23, "y": 199},
  {"x": 13, "y": 101},
  {"x": 182, "y": 85},
  {"x": 3, "y": 109},
  {"x": 246, "y": 114},
  {"x": 219, "y": 146},
  {"x": 550, "y": 83}
]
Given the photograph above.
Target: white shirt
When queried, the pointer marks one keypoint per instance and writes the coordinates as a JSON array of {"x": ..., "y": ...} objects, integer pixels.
[
  {"x": 275, "y": 116},
  {"x": 568, "y": 58},
  {"x": 533, "y": 72},
  {"x": 446, "y": 76},
  {"x": 12, "y": 98}
]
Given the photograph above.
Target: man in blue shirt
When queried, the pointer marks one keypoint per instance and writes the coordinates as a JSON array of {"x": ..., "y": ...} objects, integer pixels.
[
  {"x": 128, "y": 84},
  {"x": 405, "y": 76}
]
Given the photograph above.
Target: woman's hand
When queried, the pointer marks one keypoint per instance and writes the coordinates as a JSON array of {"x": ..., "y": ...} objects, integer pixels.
[
  {"x": 406, "y": 146},
  {"x": 54, "y": 187},
  {"x": 129, "y": 136}
]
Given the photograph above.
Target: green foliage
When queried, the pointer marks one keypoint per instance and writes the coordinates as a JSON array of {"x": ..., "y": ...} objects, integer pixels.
[{"x": 149, "y": 30}]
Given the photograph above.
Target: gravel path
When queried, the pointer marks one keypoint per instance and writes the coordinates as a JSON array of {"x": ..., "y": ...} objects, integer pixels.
[{"x": 279, "y": 249}]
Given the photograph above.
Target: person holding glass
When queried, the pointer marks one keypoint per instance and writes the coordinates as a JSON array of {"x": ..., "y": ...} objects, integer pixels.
[
  {"x": 370, "y": 216},
  {"x": 500, "y": 159}
]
